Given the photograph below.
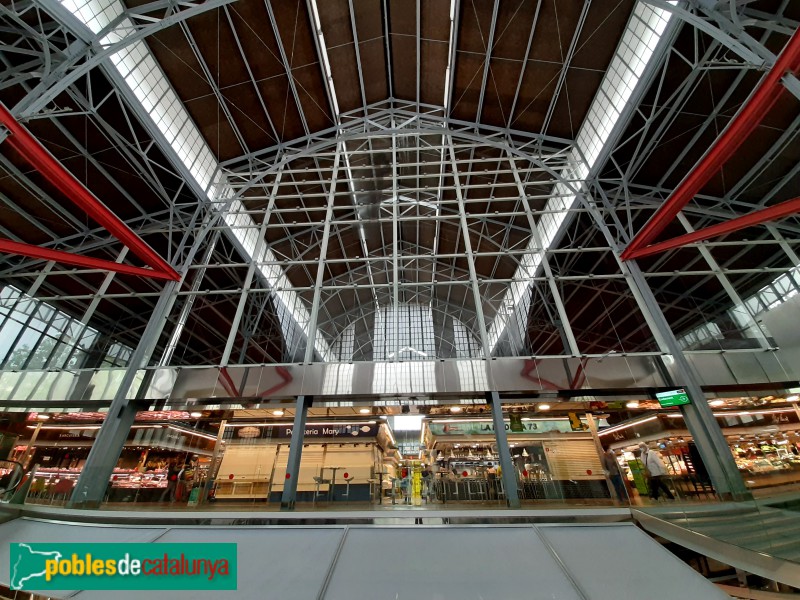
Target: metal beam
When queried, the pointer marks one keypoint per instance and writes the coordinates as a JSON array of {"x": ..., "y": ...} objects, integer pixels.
[
  {"x": 741, "y": 126},
  {"x": 96, "y": 51},
  {"x": 78, "y": 260},
  {"x": 487, "y": 61},
  {"x": 779, "y": 211},
  {"x": 323, "y": 251},
  {"x": 37, "y": 155}
]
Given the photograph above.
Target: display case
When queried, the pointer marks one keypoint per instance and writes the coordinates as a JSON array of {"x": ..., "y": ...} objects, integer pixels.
[{"x": 125, "y": 485}]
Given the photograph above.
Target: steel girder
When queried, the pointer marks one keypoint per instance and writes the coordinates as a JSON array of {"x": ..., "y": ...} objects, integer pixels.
[{"x": 759, "y": 104}]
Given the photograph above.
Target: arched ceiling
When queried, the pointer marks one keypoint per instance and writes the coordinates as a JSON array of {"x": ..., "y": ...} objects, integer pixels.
[{"x": 472, "y": 96}]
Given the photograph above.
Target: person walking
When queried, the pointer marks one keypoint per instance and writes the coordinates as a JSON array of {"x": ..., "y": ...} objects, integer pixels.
[
  {"x": 491, "y": 481},
  {"x": 613, "y": 472},
  {"x": 172, "y": 482},
  {"x": 658, "y": 472}
]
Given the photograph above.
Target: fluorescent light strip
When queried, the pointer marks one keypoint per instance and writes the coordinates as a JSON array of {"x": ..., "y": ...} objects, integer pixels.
[
  {"x": 190, "y": 432},
  {"x": 326, "y": 63},
  {"x": 626, "y": 426},
  {"x": 448, "y": 71},
  {"x": 67, "y": 427},
  {"x": 743, "y": 413},
  {"x": 89, "y": 427}
]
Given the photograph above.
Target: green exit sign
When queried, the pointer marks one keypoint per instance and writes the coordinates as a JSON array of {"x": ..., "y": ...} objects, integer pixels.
[{"x": 673, "y": 398}]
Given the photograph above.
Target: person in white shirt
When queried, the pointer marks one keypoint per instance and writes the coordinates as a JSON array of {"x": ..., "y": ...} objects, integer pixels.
[{"x": 658, "y": 472}]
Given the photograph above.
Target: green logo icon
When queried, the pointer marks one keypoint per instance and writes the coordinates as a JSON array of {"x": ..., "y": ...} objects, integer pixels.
[{"x": 123, "y": 566}]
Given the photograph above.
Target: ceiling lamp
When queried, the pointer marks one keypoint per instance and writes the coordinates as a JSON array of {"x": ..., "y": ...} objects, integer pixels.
[
  {"x": 633, "y": 404},
  {"x": 364, "y": 411},
  {"x": 455, "y": 409},
  {"x": 277, "y": 413},
  {"x": 195, "y": 415},
  {"x": 716, "y": 403},
  {"x": 544, "y": 407}
]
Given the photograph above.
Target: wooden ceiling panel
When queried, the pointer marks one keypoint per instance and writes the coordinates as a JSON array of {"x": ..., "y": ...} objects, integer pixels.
[
  {"x": 601, "y": 32},
  {"x": 554, "y": 31},
  {"x": 500, "y": 90},
  {"x": 538, "y": 85},
  {"x": 402, "y": 18},
  {"x": 296, "y": 34},
  {"x": 217, "y": 42},
  {"x": 434, "y": 55},
  {"x": 282, "y": 108},
  {"x": 373, "y": 64},
  {"x": 175, "y": 55},
  {"x": 369, "y": 19},
  {"x": 216, "y": 129},
  {"x": 404, "y": 66},
  {"x": 313, "y": 98},
  {"x": 474, "y": 26},
  {"x": 346, "y": 82},
  {"x": 257, "y": 41},
  {"x": 573, "y": 102},
  {"x": 758, "y": 145},
  {"x": 249, "y": 116},
  {"x": 514, "y": 22},
  {"x": 336, "y": 27},
  {"x": 467, "y": 86},
  {"x": 435, "y": 20}
]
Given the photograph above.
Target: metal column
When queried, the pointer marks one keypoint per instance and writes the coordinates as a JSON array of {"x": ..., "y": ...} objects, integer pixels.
[
  {"x": 698, "y": 416},
  {"x": 509, "y": 472},
  {"x": 295, "y": 452},
  {"x": 103, "y": 456}
]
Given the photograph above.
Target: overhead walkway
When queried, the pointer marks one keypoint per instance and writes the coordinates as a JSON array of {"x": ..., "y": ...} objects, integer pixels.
[{"x": 596, "y": 556}]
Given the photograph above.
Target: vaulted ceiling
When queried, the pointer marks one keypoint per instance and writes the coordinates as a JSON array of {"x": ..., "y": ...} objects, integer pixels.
[{"x": 258, "y": 76}]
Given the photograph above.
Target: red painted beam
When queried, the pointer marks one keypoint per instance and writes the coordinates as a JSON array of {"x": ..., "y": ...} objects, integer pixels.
[
  {"x": 784, "y": 209},
  {"x": 287, "y": 379},
  {"x": 79, "y": 260},
  {"x": 37, "y": 155},
  {"x": 741, "y": 126},
  {"x": 227, "y": 383}
]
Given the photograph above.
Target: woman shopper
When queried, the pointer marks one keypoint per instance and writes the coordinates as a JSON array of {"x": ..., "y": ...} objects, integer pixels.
[{"x": 658, "y": 472}]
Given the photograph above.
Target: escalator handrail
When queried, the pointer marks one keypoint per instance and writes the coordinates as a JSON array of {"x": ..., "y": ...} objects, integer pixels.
[{"x": 20, "y": 479}]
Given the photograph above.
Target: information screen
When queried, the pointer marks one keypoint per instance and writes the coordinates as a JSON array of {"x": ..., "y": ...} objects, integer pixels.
[{"x": 673, "y": 398}]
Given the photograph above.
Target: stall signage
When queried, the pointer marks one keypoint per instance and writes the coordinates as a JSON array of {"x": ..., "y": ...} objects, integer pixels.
[
  {"x": 339, "y": 431},
  {"x": 487, "y": 428},
  {"x": 267, "y": 432},
  {"x": 673, "y": 398}
]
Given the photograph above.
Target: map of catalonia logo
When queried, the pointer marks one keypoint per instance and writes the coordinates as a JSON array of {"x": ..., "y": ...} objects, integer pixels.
[{"x": 123, "y": 566}]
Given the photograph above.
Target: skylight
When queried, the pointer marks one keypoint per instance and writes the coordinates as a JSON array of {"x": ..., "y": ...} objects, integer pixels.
[
  {"x": 143, "y": 75},
  {"x": 644, "y": 31}
]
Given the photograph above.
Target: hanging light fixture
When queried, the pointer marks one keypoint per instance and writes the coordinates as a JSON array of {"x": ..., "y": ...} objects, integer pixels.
[{"x": 525, "y": 452}]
